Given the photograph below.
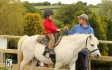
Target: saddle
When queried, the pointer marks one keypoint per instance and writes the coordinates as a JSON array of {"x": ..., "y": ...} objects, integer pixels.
[{"x": 43, "y": 39}]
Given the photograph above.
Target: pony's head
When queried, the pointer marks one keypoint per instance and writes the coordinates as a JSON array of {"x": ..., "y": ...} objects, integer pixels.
[{"x": 91, "y": 46}]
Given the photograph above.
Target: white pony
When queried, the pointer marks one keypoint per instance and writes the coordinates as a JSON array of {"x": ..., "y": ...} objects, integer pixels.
[{"x": 66, "y": 51}]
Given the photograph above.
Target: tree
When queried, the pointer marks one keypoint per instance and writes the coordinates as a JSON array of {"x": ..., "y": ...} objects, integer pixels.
[
  {"x": 75, "y": 21},
  {"x": 33, "y": 24},
  {"x": 11, "y": 17},
  {"x": 59, "y": 3},
  {"x": 59, "y": 24},
  {"x": 66, "y": 13},
  {"x": 47, "y": 3},
  {"x": 99, "y": 24},
  {"x": 103, "y": 31},
  {"x": 30, "y": 8},
  {"x": 11, "y": 21},
  {"x": 42, "y": 4},
  {"x": 81, "y": 3},
  {"x": 106, "y": 8},
  {"x": 85, "y": 3},
  {"x": 109, "y": 36},
  {"x": 55, "y": 4},
  {"x": 38, "y": 4}
]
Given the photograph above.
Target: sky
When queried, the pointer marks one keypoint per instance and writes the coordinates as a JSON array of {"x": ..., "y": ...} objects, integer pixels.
[{"x": 94, "y": 2}]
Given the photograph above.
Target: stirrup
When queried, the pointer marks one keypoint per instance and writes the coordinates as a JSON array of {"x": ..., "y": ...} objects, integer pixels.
[
  {"x": 46, "y": 52},
  {"x": 52, "y": 55}
]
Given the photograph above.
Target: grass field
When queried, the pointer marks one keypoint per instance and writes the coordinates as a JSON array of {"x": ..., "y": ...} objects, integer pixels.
[
  {"x": 42, "y": 8},
  {"x": 45, "y": 7},
  {"x": 3, "y": 69},
  {"x": 93, "y": 9}
]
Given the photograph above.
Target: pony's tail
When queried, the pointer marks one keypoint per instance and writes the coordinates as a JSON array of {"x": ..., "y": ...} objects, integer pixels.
[{"x": 20, "y": 54}]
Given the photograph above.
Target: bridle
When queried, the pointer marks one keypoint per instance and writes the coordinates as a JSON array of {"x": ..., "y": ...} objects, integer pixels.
[{"x": 87, "y": 48}]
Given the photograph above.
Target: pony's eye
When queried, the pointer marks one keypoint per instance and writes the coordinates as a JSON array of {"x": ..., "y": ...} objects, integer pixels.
[{"x": 92, "y": 44}]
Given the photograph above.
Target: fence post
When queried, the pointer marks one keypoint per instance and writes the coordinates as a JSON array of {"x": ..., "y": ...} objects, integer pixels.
[
  {"x": 1, "y": 57},
  {"x": 18, "y": 67},
  {"x": 20, "y": 57}
]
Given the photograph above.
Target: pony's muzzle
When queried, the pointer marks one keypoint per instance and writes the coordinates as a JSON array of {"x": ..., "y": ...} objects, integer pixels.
[{"x": 97, "y": 56}]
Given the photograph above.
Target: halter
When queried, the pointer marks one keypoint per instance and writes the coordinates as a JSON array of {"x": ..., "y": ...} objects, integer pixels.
[{"x": 87, "y": 48}]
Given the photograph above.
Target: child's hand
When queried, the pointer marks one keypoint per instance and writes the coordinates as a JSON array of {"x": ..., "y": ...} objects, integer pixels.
[{"x": 59, "y": 30}]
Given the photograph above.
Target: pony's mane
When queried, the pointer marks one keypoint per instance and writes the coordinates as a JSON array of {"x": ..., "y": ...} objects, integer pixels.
[{"x": 77, "y": 36}]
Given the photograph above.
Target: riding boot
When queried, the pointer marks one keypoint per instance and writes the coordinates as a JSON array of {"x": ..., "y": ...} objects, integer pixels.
[{"x": 49, "y": 53}]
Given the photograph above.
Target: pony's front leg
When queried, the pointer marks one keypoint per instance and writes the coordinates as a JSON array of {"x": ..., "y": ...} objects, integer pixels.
[
  {"x": 73, "y": 63},
  {"x": 72, "y": 66},
  {"x": 57, "y": 66}
]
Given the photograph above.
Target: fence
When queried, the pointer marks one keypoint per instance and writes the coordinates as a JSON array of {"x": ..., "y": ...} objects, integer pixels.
[
  {"x": 14, "y": 51},
  {"x": 102, "y": 58}
]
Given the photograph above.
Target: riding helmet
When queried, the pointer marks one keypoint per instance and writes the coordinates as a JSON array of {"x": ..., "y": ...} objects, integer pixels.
[{"x": 48, "y": 12}]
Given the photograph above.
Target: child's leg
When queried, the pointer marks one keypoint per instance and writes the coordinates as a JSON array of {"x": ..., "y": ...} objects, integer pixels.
[
  {"x": 51, "y": 41},
  {"x": 50, "y": 48}
]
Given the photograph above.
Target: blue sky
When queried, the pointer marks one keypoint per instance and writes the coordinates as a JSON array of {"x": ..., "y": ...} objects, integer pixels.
[{"x": 94, "y": 2}]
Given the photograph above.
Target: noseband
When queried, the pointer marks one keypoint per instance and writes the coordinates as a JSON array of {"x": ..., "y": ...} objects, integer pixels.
[{"x": 87, "y": 48}]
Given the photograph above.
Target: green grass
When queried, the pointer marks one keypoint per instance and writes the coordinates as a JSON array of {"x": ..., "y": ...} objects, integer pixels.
[
  {"x": 42, "y": 8},
  {"x": 45, "y": 7},
  {"x": 93, "y": 9},
  {"x": 3, "y": 68}
]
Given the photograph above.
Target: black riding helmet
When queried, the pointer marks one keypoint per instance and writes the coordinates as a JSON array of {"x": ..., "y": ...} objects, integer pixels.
[{"x": 48, "y": 12}]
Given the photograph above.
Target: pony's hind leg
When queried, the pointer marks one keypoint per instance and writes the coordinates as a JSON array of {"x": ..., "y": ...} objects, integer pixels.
[
  {"x": 23, "y": 63},
  {"x": 33, "y": 63},
  {"x": 57, "y": 66}
]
